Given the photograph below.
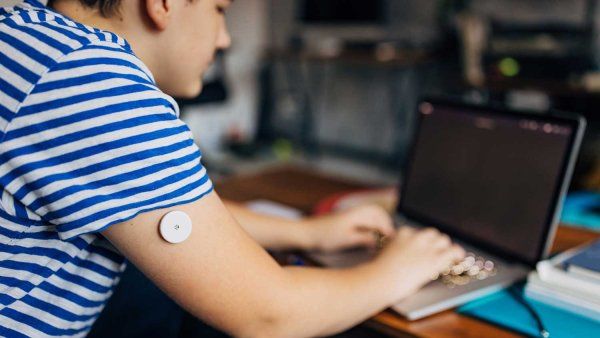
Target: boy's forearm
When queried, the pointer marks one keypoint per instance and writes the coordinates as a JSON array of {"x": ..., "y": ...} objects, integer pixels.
[
  {"x": 322, "y": 301},
  {"x": 271, "y": 232},
  {"x": 325, "y": 301}
]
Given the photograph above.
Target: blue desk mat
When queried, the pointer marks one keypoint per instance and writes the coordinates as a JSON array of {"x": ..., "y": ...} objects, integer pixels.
[
  {"x": 501, "y": 308},
  {"x": 582, "y": 209}
]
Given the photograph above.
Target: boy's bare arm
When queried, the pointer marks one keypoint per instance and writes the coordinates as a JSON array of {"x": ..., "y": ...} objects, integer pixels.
[
  {"x": 221, "y": 275},
  {"x": 337, "y": 231}
]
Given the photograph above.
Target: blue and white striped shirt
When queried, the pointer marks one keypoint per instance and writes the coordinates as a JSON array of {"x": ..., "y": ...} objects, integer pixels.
[{"x": 87, "y": 140}]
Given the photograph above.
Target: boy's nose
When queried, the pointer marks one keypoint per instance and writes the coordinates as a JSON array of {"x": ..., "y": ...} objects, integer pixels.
[{"x": 224, "y": 40}]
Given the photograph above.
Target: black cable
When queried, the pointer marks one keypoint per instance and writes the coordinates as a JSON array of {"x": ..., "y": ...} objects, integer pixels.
[{"x": 517, "y": 294}]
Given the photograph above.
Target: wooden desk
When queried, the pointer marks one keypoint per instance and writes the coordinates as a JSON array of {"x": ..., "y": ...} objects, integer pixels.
[{"x": 302, "y": 188}]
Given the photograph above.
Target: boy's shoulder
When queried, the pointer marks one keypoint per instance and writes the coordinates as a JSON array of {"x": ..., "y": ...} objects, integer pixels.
[
  {"x": 41, "y": 49},
  {"x": 38, "y": 38}
]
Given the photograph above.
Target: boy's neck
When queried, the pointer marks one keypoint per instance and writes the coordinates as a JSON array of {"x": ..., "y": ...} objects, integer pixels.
[{"x": 80, "y": 13}]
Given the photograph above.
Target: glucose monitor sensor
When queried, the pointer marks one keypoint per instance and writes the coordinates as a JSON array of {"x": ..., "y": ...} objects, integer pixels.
[{"x": 175, "y": 227}]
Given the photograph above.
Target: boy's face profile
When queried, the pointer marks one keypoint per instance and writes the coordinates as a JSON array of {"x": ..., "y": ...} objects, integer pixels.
[{"x": 190, "y": 34}]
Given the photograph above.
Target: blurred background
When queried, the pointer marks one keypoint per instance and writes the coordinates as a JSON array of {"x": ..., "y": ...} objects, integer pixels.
[{"x": 333, "y": 84}]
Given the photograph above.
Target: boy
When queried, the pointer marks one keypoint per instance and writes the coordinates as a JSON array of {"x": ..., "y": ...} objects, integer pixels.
[{"x": 92, "y": 150}]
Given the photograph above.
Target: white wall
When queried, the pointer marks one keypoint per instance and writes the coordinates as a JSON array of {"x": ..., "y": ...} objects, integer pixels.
[{"x": 248, "y": 24}]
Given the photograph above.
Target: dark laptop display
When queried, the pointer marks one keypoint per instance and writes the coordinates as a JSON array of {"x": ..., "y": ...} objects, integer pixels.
[{"x": 487, "y": 176}]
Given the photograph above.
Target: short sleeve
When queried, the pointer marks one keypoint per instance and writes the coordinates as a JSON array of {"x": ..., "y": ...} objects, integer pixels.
[{"x": 96, "y": 143}]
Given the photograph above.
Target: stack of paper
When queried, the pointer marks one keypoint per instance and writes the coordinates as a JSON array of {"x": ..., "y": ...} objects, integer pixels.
[{"x": 570, "y": 281}]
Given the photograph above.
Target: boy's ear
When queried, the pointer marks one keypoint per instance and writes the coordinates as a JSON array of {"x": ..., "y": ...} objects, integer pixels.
[{"x": 159, "y": 12}]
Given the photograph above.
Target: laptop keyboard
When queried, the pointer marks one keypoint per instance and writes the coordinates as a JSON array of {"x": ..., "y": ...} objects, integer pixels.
[{"x": 471, "y": 268}]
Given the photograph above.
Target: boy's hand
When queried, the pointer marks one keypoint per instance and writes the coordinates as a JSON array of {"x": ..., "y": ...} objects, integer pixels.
[
  {"x": 416, "y": 257},
  {"x": 361, "y": 226}
]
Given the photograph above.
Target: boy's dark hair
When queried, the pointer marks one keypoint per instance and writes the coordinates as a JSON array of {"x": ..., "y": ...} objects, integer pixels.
[{"x": 106, "y": 7}]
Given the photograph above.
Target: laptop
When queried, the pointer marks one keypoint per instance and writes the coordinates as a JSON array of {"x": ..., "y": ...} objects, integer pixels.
[{"x": 494, "y": 180}]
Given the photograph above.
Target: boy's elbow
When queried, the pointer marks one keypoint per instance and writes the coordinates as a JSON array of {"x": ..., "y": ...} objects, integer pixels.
[{"x": 266, "y": 327}]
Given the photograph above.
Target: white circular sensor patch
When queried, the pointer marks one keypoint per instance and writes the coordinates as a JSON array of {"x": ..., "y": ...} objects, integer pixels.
[{"x": 175, "y": 227}]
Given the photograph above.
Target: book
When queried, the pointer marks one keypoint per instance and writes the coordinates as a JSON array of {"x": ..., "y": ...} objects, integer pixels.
[
  {"x": 586, "y": 263},
  {"x": 569, "y": 281},
  {"x": 534, "y": 281},
  {"x": 584, "y": 273},
  {"x": 553, "y": 271},
  {"x": 575, "y": 305}
]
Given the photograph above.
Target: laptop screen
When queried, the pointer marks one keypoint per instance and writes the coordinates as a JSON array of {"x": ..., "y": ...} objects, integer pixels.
[{"x": 487, "y": 177}]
